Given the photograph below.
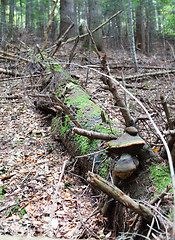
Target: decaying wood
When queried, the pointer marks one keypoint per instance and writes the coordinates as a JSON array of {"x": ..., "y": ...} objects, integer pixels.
[
  {"x": 10, "y": 72},
  {"x": 14, "y": 56},
  {"x": 60, "y": 103},
  {"x": 167, "y": 113},
  {"x": 146, "y": 74},
  {"x": 120, "y": 196},
  {"x": 66, "y": 110},
  {"x": 93, "y": 134}
]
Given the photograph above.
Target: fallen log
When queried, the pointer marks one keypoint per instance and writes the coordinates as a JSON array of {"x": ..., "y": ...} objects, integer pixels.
[
  {"x": 77, "y": 107},
  {"x": 89, "y": 117}
]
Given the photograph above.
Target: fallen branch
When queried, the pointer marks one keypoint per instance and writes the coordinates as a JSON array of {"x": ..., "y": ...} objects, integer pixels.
[
  {"x": 61, "y": 39},
  {"x": 93, "y": 134},
  {"x": 10, "y": 72},
  {"x": 14, "y": 56},
  {"x": 167, "y": 113},
  {"x": 7, "y": 58},
  {"x": 145, "y": 74},
  {"x": 116, "y": 65},
  {"x": 114, "y": 192},
  {"x": 72, "y": 54},
  {"x": 86, "y": 34},
  {"x": 169, "y": 132},
  {"x": 49, "y": 24},
  {"x": 155, "y": 127},
  {"x": 62, "y": 105}
]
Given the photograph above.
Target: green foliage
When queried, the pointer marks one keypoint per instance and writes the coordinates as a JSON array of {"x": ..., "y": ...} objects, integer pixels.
[
  {"x": 2, "y": 190},
  {"x": 104, "y": 169},
  {"x": 161, "y": 177},
  {"x": 67, "y": 184},
  {"x": 22, "y": 212},
  {"x": 168, "y": 19},
  {"x": 3, "y": 171},
  {"x": 12, "y": 210}
]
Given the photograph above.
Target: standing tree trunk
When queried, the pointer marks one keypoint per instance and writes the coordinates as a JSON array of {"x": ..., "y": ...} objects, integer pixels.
[
  {"x": 95, "y": 13},
  {"x": 150, "y": 26},
  {"x": 27, "y": 22},
  {"x": 132, "y": 37},
  {"x": 3, "y": 23},
  {"x": 11, "y": 16},
  {"x": 140, "y": 30},
  {"x": 67, "y": 16},
  {"x": 32, "y": 15},
  {"x": 21, "y": 7}
]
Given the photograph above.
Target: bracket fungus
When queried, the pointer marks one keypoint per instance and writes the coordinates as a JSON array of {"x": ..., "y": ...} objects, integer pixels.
[
  {"x": 127, "y": 146},
  {"x": 125, "y": 166}
]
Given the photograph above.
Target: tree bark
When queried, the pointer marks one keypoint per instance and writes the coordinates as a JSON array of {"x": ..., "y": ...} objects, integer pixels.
[
  {"x": 95, "y": 19},
  {"x": 67, "y": 16}
]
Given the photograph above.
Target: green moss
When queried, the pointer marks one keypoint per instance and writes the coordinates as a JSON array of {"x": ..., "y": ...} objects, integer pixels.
[
  {"x": 65, "y": 126},
  {"x": 57, "y": 68},
  {"x": 86, "y": 145},
  {"x": 104, "y": 170},
  {"x": 161, "y": 177}
]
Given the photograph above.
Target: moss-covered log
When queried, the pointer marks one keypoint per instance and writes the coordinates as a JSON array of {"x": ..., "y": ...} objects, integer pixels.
[{"x": 88, "y": 115}]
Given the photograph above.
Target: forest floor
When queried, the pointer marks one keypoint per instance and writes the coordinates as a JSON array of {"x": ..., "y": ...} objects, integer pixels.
[{"x": 32, "y": 161}]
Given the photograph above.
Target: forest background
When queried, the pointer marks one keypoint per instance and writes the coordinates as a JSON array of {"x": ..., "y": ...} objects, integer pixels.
[
  {"x": 145, "y": 28},
  {"x": 152, "y": 20}
]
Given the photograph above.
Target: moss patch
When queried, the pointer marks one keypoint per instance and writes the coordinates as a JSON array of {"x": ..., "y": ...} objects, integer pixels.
[{"x": 161, "y": 177}]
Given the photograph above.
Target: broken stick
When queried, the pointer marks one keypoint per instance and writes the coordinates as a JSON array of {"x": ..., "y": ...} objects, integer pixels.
[{"x": 114, "y": 192}]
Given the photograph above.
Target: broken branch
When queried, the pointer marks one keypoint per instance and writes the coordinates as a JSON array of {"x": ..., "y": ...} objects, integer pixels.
[
  {"x": 93, "y": 134},
  {"x": 114, "y": 192}
]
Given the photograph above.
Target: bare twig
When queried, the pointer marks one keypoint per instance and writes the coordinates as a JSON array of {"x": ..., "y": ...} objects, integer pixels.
[
  {"x": 93, "y": 134},
  {"x": 73, "y": 50},
  {"x": 96, "y": 29},
  {"x": 49, "y": 24},
  {"x": 61, "y": 104},
  {"x": 10, "y": 72},
  {"x": 167, "y": 113},
  {"x": 61, "y": 39}
]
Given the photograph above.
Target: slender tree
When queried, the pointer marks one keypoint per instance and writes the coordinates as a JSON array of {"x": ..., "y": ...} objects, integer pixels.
[{"x": 132, "y": 37}]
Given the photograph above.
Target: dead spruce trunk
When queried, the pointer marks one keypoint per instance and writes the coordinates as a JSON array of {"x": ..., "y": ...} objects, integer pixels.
[{"x": 88, "y": 115}]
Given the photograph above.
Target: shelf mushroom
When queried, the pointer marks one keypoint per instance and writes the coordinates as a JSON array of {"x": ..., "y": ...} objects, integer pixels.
[{"x": 127, "y": 146}]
